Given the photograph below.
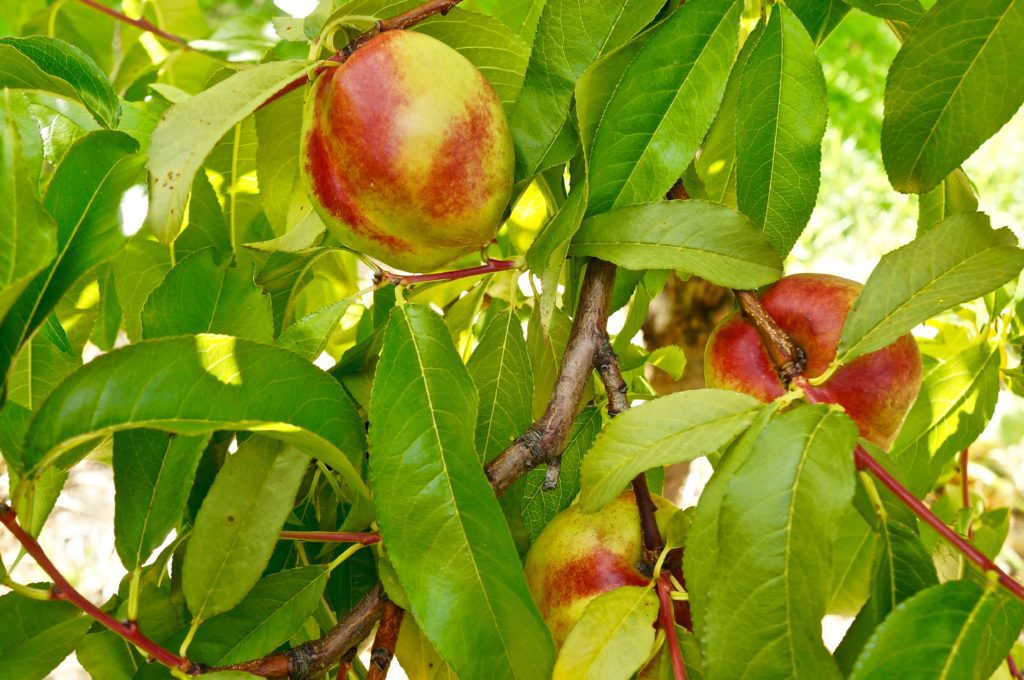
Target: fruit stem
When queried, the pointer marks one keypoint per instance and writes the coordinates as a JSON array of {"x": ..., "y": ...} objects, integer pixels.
[
  {"x": 789, "y": 359},
  {"x": 62, "y": 590},
  {"x": 410, "y": 279},
  {"x": 667, "y": 618},
  {"x": 332, "y": 537},
  {"x": 383, "y": 648}
]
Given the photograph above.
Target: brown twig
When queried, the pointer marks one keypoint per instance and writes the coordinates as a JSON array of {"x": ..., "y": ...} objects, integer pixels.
[
  {"x": 543, "y": 441},
  {"x": 410, "y": 279},
  {"x": 332, "y": 537},
  {"x": 401, "y": 21},
  {"x": 316, "y": 656},
  {"x": 62, "y": 590},
  {"x": 778, "y": 343},
  {"x": 666, "y": 616},
  {"x": 383, "y": 649},
  {"x": 788, "y": 358},
  {"x": 142, "y": 24},
  {"x": 607, "y": 365}
]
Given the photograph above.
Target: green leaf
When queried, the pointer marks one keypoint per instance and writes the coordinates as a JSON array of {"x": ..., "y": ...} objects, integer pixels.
[
  {"x": 138, "y": 269},
  {"x": 903, "y": 568},
  {"x": 500, "y": 368},
  {"x": 308, "y": 336},
  {"x": 706, "y": 239},
  {"x": 779, "y": 521},
  {"x": 60, "y": 68},
  {"x": 201, "y": 296},
  {"x": 84, "y": 198},
  {"x": 907, "y": 11},
  {"x": 539, "y": 507},
  {"x": 958, "y": 260},
  {"x": 700, "y": 559},
  {"x": 955, "y": 630},
  {"x": 519, "y": 15},
  {"x": 272, "y": 612},
  {"x": 956, "y": 402},
  {"x": 38, "y": 634},
  {"x": 547, "y": 253},
  {"x": 489, "y": 44},
  {"x": 671, "y": 429},
  {"x": 193, "y": 385},
  {"x": 780, "y": 122},
  {"x": 237, "y": 526},
  {"x": 38, "y": 369},
  {"x": 716, "y": 166},
  {"x": 953, "y": 195},
  {"x": 108, "y": 324},
  {"x": 663, "y": 105},
  {"x": 570, "y": 36},
  {"x": 202, "y": 121},
  {"x": 612, "y": 639},
  {"x": 444, "y": 530},
  {"x": 820, "y": 17},
  {"x": 153, "y": 473},
  {"x": 852, "y": 564},
  {"x": 954, "y": 83},
  {"x": 106, "y": 655},
  {"x": 418, "y": 657},
  {"x": 278, "y": 127},
  {"x": 27, "y": 232}
]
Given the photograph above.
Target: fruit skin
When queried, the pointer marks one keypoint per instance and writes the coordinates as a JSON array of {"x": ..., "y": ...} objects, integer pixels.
[
  {"x": 876, "y": 390},
  {"x": 406, "y": 152},
  {"x": 578, "y": 556}
]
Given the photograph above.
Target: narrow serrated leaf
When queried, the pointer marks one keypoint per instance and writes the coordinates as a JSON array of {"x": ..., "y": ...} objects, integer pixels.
[
  {"x": 706, "y": 239},
  {"x": 957, "y": 260},
  {"x": 954, "y": 83},
  {"x": 38, "y": 634},
  {"x": 153, "y": 473},
  {"x": 779, "y": 521},
  {"x": 235, "y": 533},
  {"x": 193, "y": 385},
  {"x": 445, "y": 533},
  {"x": 201, "y": 121},
  {"x": 780, "y": 122},
  {"x": 662, "y": 105},
  {"x": 671, "y": 429},
  {"x": 954, "y": 630},
  {"x": 612, "y": 639}
]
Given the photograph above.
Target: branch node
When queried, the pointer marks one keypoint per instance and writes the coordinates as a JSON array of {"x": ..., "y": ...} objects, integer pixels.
[{"x": 552, "y": 474}]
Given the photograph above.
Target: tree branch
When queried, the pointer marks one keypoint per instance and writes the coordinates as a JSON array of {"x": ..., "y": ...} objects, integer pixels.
[
  {"x": 778, "y": 343},
  {"x": 401, "y": 21},
  {"x": 383, "y": 649},
  {"x": 543, "y": 441},
  {"x": 142, "y": 24},
  {"x": 316, "y": 656},
  {"x": 62, "y": 590}
]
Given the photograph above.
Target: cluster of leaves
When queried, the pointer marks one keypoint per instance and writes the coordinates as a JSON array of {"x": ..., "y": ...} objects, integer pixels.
[{"x": 219, "y": 426}]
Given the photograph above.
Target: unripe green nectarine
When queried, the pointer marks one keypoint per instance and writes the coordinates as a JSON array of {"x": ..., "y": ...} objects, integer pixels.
[
  {"x": 876, "y": 390},
  {"x": 579, "y": 556},
  {"x": 406, "y": 152}
]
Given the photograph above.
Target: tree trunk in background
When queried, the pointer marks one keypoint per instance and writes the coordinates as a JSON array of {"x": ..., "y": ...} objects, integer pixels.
[{"x": 684, "y": 314}]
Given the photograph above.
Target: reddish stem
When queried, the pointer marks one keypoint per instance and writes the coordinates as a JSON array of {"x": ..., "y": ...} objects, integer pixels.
[
  {"x": 865, "y": 461},
  {"x": 1012, "y": 665},
  {"x": 653, "y": 544},
  {"x": 666, "y": 616},
  {"x": 62, "y": 590},
  {"x": 410, "y": 279},
  {"x": 138, "y": 23},
  {"x": 332, "y": 537}
]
